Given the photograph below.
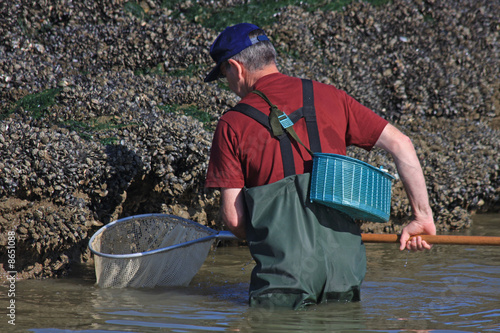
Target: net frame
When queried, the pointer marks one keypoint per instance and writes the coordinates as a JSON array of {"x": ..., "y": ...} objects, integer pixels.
[{"x": 150, "y": 250}]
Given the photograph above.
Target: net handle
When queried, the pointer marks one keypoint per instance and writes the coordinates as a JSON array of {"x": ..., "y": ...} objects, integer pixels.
[{"x": 226, "y": 235}]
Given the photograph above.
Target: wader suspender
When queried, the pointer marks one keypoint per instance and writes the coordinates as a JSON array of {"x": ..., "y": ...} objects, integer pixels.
[{"x": 280, "y": 124}]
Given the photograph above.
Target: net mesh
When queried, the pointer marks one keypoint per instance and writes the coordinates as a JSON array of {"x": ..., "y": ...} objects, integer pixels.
[{"x": 140, "y": 234}]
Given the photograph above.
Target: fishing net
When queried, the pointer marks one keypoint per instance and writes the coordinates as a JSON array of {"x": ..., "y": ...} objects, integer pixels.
[{"x": 150, "y": 250}]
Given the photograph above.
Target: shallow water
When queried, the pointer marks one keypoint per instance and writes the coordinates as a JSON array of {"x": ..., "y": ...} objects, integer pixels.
[{"x": 452, "y": 288}]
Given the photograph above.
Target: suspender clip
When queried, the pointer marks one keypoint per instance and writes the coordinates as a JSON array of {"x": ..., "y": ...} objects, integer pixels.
[{"x": 285, "y": 120}]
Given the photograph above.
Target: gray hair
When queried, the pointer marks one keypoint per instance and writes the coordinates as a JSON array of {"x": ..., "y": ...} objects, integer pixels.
[{"x": 257, "y": 56}]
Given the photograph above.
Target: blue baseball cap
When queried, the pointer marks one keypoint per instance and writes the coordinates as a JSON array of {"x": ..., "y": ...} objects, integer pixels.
[{"x": 229, "y": 43}]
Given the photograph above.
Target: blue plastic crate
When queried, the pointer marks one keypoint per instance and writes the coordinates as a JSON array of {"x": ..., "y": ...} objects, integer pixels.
[{"x": 354, "y": 187}]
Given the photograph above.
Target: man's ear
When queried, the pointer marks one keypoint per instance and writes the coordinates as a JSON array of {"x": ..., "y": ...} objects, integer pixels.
[{"x": 238, "y": 67}]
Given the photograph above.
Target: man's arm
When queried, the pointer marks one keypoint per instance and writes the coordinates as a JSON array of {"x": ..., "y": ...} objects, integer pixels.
[
  {"x": 410, "y": 172},
  {"x": 233, "y": 210}
]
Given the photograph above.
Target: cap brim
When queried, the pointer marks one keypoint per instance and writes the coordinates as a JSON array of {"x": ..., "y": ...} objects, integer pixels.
[{"x": 213, "y": 75}]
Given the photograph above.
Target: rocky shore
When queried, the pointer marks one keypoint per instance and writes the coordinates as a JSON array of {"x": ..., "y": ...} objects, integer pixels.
[{"x": 103, "y": 112}]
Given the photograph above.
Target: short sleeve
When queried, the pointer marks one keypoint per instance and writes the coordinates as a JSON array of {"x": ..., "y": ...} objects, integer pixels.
[
  {"x": 224, "y": 168},
  {"x": 363, "y": 125}
]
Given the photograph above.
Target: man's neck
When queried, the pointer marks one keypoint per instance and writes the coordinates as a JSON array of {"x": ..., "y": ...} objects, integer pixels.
[{"x": 253, "y": 77}]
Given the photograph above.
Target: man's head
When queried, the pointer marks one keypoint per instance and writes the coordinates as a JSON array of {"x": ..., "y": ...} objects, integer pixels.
[{"x": 245, "y": 43}]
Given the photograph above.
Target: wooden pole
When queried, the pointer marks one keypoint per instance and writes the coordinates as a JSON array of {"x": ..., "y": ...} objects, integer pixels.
[{"x": 435, "y": 239}]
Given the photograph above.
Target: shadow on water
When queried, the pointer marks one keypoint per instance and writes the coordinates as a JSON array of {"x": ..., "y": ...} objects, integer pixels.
[{"x": 451, "y": 288}]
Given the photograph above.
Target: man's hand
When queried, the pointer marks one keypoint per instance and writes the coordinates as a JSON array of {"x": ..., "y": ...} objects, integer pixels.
[{"x": 417, "y": 227}]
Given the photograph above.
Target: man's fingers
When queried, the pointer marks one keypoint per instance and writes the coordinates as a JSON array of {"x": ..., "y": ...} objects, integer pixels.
[
  {"x": 426, "y": 245},
  {"x": 412, "y": 244},
  {"x": 417, "y": 244}
]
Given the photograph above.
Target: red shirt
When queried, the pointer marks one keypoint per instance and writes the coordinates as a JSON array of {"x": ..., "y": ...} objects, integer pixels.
[{"x": 244, "y": 153}]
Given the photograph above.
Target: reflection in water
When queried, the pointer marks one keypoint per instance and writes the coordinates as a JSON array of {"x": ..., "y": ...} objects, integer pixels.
[{"x": 452, "y": 288}]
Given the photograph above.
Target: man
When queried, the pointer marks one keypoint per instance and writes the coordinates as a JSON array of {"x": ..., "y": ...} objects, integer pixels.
[{"x": 306, "y": 253}]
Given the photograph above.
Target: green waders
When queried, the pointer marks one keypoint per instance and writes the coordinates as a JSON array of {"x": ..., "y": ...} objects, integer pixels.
[{"x": 306, "y": 253}]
